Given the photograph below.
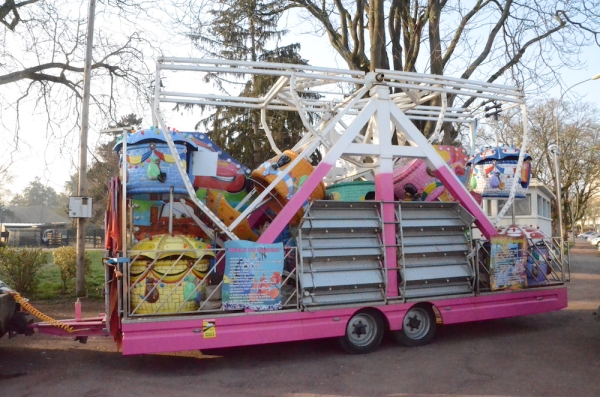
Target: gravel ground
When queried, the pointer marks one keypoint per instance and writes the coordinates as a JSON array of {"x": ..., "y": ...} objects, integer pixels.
[{"x": 550, "y": 354}]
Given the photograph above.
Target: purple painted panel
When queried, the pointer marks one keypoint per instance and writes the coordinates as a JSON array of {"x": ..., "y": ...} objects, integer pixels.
[
  {"x": 259, "y": 328},
  {"x": 242, "y": 330}
]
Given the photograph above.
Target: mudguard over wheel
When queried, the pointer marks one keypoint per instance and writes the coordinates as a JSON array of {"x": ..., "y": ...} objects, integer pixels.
[
  {"x": 364, "y": 332},
  {"x": 418, "y": 326}
]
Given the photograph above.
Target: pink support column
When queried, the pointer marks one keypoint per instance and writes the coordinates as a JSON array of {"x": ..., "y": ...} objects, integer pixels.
[
  {"x": 384, "y": 191},
  {"x": 384, "y": 183},
  {"x": 300, "y": 197},
  {"x": 443, "y": 172}
]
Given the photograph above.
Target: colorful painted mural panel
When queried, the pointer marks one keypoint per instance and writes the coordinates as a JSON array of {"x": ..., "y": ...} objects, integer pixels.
[
  {"x": 508, "y": 258},
  {"x": 252, "y": 276}
]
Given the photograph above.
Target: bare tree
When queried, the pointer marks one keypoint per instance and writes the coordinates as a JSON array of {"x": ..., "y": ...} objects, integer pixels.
[
  {"x": 577, "y": 126},
  {"x": 42, "y": 52},
  {"x": 9, "y": 12},
  {"x": 522, "y": 42}
]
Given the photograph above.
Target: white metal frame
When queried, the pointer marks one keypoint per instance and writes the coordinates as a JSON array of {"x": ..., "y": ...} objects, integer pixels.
[{"x": 349, "y": 100}]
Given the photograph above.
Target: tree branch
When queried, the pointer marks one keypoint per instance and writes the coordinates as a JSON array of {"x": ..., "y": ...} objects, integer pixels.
[
  {"x": 488, "y": 46},
  {"x": 34, "y": 72},
  {"x": 7, "y": 7},
  {"x": 461, "y": 27},
  {"x": 519, "y": 54}
]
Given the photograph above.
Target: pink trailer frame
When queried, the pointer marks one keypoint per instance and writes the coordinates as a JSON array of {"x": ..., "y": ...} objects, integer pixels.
[
  {"x": 170, "y": 335},
  {"x": 339, "y": 137}
]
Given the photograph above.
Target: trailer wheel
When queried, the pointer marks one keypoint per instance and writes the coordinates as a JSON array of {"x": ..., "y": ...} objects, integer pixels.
[
  {"x": 418, "y": 326},
  {"x": 364, "y": 332}
]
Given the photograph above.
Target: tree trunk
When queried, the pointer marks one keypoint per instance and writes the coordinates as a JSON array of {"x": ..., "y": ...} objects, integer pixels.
[
  {"x": 379, "y": 58},
  {"x": 255, "y": 118},
  {"x": 435, "y": 49},
  {"x": 435, "y": 56}
]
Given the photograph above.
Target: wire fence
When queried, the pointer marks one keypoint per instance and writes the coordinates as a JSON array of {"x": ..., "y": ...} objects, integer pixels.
[{"x": 51, "y": 238}]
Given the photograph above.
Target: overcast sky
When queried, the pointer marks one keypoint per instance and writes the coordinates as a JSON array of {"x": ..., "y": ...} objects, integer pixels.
[{"x": 54, "y": 161}]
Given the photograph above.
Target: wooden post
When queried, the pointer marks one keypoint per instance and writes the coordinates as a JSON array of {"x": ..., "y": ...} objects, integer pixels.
[{"x": 83, "y": 148}]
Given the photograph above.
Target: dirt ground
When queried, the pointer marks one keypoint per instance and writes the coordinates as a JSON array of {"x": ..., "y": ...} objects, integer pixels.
[
  {"x": 65, "y": 308},
  {"x": 551, "y": 354}
]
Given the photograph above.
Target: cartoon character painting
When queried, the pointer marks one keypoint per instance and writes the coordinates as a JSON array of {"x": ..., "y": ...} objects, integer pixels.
[
  {"x": 264, "y": 288},
  {"x": 231, "y": 175},
  {"x": 494, "y": 171}
]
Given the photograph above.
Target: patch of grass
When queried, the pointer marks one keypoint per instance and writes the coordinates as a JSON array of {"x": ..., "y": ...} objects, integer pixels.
[{"x": 50, "y": 285}]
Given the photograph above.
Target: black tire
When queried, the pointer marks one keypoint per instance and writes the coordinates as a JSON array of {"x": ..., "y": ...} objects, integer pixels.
[
  {"x": 418, "y": 327},
  {"x": 364, "y": 332}
]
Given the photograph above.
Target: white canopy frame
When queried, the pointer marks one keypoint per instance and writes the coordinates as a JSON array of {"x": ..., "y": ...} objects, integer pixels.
[{"x": 345, "y": 103}]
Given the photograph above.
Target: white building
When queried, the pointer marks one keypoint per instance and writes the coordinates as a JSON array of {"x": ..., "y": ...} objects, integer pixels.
[{"x": 533, "y": 210}]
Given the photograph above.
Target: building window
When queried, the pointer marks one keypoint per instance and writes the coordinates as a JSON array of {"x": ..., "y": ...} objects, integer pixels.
[
  {"x": 543, "y": 207},
  {"x": 522, "y": 206},
  {"x": 487, "y": 207}
]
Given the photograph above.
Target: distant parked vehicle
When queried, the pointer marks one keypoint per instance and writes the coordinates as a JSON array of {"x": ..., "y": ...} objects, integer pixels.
[
  {"x": 592, "y": 236},
  {"x": 585, "y": 234},
  {"x": 595, "y": 241}
]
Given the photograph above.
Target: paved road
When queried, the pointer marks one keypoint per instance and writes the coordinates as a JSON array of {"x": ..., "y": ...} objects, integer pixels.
[{"x": 553, "y": 354}]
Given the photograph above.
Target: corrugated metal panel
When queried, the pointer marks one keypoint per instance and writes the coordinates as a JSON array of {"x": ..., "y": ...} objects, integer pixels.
[
  {"x": 436, "y": 261},
  {"x": 438, "y": 272},
  {"x": 341, "y": 253},
  {"x": 335, "y": 280},
  {"x": 340, "y": 240},
  {"x": 434, "y": 249},
  {"x": 337, "y": 265},
  {"x": 462, "y": 249},
  {"x": 442, "y": 239},
  {"x": 345, "y": 252}
]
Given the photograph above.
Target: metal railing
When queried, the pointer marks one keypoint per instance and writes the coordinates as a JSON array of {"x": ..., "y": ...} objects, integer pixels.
[
  {"x": 543, "y": 263},
  {"x": 182, "y": 291}
]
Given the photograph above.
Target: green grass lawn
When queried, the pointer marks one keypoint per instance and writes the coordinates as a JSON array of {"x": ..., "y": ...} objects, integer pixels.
[{"x": 50, "y": 285}]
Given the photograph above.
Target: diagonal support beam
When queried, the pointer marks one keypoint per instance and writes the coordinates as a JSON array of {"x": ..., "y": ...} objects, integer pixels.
[
  {"x": 443, "y": 172},
  {"x": 298, "y": 200}
]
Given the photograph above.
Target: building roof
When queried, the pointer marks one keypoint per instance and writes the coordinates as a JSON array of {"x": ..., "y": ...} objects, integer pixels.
[
  {"x": 538, "y": 184},
  {"x": 37, "y": 214}
]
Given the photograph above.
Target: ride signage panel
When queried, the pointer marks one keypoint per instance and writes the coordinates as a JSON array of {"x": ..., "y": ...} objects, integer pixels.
[
  {"x": 252, "y": 277},
  {"x": 508, "y": 259}
]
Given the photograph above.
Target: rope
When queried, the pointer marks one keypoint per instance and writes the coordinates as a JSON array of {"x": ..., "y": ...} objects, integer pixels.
[{"x": 35, "y": 312}]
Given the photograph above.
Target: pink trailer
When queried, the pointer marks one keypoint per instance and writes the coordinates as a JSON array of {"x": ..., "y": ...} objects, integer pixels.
[{"x": 356, "y": 269}]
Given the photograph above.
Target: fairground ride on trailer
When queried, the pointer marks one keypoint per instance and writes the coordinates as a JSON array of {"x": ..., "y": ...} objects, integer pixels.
[{"x": 372, "y": 237}]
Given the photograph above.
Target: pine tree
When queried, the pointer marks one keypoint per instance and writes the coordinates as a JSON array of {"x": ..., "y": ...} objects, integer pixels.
[
  {"x": 238, "y": 29},
  {"x": 241, "y": 30},
  {"x": 233, "y": 128}
]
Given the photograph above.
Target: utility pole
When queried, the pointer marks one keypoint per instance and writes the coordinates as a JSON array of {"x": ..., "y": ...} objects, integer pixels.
[{"x": 83, "y": 148}]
